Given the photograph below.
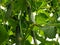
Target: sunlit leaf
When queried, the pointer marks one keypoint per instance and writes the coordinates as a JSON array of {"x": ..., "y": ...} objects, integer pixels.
[{"x": 41, "y": 18}]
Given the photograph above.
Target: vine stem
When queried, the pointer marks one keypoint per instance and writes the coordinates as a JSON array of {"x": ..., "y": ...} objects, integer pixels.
[
  {"x": 30, "y": 20},
  {"x": 19, "y": 35}
]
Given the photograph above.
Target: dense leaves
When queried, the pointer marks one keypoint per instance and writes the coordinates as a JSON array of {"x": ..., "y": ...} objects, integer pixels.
[{"x": 27, "y": 22}]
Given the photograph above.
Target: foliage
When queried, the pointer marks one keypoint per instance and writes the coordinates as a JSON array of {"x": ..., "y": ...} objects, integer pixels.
[{"x": 24, "y": 20}]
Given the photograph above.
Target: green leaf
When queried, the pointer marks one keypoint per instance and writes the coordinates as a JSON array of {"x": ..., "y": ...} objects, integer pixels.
[
  {"x": 41, "y": 32},
  {"x": 10, "y": 32},
  {"x": 3, "y": 1},
  {"x": 44, "y": 3},
  {"x": 35, "y": 28},
  {"x": 49, "y": 31},
  {"x": 51, "y": 43},
  {"x": 12, "y": 22},
  {"x": 27, "y": 42},
  {"x": 41, "y": 18},
  {"x": 29, "y": 38},
  {"x": 4, "y": 34},
  {"x": 19, "y": 5},
  {"x": 36, "y": 5}
]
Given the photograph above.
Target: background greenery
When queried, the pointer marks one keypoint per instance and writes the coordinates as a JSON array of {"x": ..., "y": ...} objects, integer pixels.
[{"x": 24, "y": 20}]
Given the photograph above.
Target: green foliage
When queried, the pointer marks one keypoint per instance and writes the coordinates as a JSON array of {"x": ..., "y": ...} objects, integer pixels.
[
  {"x": 4, "y": 34},
  {"x": 16, "y": 24},
  {"x": 49, "y": 31}
]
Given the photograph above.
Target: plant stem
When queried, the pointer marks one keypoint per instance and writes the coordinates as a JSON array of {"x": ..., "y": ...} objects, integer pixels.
[
  {"x": 30, "y": 20},
  {"x": 18, "y": 35},
  {"x": 33, "y": 34}
]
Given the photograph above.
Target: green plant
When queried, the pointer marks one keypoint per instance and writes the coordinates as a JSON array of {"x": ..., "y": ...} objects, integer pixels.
[{"x": 22, "y": 20}]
